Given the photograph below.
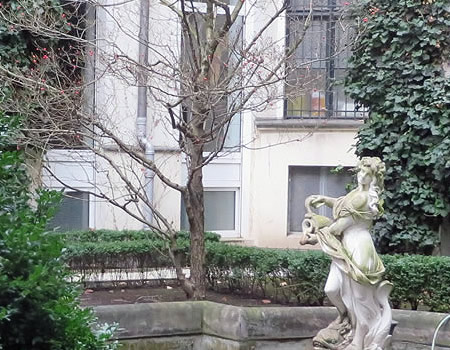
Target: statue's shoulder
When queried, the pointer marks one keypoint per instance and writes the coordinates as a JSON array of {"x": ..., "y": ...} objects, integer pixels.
[{"x": 357, "y": 199}]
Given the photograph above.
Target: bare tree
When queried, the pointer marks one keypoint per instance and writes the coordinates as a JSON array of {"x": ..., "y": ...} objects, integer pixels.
[{"x": 219, "y": 71}]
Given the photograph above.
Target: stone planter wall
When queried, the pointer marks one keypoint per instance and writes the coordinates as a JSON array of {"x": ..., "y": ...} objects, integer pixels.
[{"x": 206, "y": 325}]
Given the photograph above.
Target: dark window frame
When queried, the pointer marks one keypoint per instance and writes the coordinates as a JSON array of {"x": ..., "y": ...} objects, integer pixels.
[{"x": 330, "y": 14}]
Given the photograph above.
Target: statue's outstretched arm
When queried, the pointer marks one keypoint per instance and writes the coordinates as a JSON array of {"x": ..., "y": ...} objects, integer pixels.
[{"x": 318, "y": 200}]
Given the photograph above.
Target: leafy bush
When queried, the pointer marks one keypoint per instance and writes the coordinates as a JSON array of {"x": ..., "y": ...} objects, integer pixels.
[
  {"x": 300, "y": 276},
  {"x": 125, "y": 235},
  {"x": 38, "y": 306},
  {"x": 285, "y": 276},
  {"x": 419, "y": 280},
  {"x": 100, "y": 250}
]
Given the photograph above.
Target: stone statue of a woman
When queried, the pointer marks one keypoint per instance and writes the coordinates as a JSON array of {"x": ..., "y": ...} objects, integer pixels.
[{"x": 355, "y": 283}]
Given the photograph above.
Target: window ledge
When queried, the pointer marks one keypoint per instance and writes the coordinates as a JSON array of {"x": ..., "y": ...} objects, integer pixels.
[
  {"x": 70, "y": 155},
  {"x": 263, "y": 123},
  {"x": 238, "y": 241}
]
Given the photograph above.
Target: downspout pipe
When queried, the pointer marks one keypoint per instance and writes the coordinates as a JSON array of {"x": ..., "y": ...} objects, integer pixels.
[{"x": 142, "y": 117}]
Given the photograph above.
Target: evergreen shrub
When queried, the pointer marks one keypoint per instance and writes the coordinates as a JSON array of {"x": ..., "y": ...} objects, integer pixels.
[
  {"x": 39, "y": 309},
  {"x": 284, "y": 276}
]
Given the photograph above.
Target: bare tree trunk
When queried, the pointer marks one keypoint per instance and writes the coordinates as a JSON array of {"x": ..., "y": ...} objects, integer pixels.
[
  {"x": 177, "y": 259},
  {"x": 195, "y": 210}
]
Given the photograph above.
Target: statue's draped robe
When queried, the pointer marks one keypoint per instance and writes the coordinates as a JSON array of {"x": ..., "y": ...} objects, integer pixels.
[{"x": 364, "y": 293}]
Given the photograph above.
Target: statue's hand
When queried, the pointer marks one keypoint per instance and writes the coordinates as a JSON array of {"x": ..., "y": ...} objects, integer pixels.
[
  {"x": 307, "y": 238},
  {"x": 317, "y": 201},
  {"x": 304, "y": 239}
]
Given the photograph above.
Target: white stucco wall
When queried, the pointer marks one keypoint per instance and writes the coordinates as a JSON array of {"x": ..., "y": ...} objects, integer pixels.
[
  {"x": 109, "y": 182},
  {"x": 265, "y": 177},
  {"x": 116, "y": 99},
  {"x": 115, "y": 86}
]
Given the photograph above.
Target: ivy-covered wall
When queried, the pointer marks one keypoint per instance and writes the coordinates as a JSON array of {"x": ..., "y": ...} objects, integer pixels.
[
  {"x": 397, "y": 72},
  {"x": 41, "y": 60}
]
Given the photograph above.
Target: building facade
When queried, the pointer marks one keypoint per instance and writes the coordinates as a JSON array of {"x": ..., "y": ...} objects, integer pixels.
[{"x": 255, "y": 192}]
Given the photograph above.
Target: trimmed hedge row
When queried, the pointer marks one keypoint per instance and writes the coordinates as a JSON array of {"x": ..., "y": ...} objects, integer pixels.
[
  {"x": 100, "y": 250},
  {"x": 285, "y": 276},
  {"x": 300, "y": 276},
  {"x": 100, "y": 236}
]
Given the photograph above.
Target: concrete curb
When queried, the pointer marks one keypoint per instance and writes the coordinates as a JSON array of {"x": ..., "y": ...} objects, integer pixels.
[
  {"x": 249, "y": 324},
  {"x": 153, "y": 320}
]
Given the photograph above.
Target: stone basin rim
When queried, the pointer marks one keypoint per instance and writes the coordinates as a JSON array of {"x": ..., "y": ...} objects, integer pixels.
[{"x": 252, "y": 323}]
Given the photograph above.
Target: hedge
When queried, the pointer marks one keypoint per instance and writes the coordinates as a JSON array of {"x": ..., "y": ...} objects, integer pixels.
[
  {"x": 284, "y": 276},
  {"x": 100, "y": 236},
  {"x": 100, "y": 250},
  {"x": 300, "y": 276}
]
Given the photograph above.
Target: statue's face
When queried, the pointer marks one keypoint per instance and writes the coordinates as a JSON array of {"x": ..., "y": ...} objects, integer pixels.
[{"x": 364, "y": 175}]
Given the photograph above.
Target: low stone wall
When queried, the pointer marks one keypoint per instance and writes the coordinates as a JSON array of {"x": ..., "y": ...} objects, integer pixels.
[{"x": 206, "y": 325}]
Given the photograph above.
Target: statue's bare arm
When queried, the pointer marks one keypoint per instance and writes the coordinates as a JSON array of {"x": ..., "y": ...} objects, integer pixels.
[
  {"x": 340, "y": 225},
  {"x": 318, "y": 200}
]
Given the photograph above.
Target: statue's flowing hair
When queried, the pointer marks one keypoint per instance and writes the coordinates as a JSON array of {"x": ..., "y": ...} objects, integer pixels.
[{"x": 376, "y": 186}]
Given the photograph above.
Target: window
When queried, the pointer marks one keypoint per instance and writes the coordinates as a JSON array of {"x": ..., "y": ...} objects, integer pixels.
[
  {"x": 219, "y": 130},
  {"x": 73, "y": 212},
  {"x": 305, "y": 181},
  {"x": 314, "y": 84},
  {"x": 220, "y": 212}
]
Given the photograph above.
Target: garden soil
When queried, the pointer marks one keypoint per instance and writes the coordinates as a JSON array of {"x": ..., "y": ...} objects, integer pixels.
[{"x": 151, "y": 294}]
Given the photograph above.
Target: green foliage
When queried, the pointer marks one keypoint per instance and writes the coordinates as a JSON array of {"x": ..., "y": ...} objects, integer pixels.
[
  {"x": 125, "y": 235},
  {"x": 396, "y": 70},
  {"x": 41, "y": 56},
  {"x": 285, "y": 276},
  {"x": 300, "y": 276},
  {"x": 8, "y": 130},
  {"x": 419, "y": 280},
  {"x": 23, "y": 45},
  {"x": 122, "y": 250},
  {"x": 38, "y": 306}
]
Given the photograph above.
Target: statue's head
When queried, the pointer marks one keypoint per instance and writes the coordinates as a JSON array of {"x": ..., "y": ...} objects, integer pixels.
[{"x": 371, "y": 171}]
